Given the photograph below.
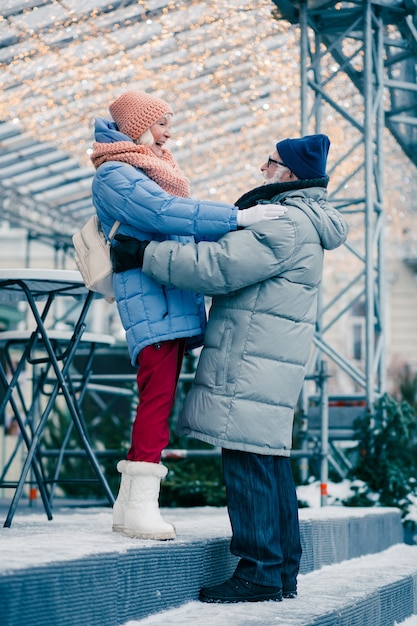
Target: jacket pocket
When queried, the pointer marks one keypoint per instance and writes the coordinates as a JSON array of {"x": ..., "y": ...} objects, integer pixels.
[
  {"x": 224, "y": 356},
  {"x": 215, "y": 360}
]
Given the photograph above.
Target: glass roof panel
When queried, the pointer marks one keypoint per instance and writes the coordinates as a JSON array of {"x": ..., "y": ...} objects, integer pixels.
[{"x": 229, "y": 70}]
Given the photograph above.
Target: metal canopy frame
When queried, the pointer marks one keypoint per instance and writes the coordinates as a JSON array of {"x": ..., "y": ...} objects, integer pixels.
[
  {"x": 59, "y": 193},
  {"x": 369, "y": 45},
  {"x": 374, "y": 45},
  {"x": 62, "y": 62}
]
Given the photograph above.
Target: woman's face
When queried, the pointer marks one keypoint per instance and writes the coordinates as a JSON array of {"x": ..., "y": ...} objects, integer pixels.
[{"x": 161, "y": 133}]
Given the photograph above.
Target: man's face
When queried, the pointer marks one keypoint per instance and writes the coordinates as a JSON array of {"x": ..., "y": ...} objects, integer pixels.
[{"x": 274, "y": 170}]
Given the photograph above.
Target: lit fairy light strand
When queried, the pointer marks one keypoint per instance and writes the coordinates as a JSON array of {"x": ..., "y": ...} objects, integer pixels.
[
  {"x": 229, "y": 70},
  {"x": 206, "y": 59}
]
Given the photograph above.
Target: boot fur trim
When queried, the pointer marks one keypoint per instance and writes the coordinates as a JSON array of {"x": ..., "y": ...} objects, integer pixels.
[
  {"x": 143, "y": 468},
  {"x": 122, "y": 465}
]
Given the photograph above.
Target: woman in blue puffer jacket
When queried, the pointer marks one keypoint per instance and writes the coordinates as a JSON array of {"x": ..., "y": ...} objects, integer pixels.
[{"x": 139, "y": 184}]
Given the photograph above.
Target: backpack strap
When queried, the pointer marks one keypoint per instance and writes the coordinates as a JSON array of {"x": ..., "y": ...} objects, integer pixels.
[{"x": 114, "y": 230}]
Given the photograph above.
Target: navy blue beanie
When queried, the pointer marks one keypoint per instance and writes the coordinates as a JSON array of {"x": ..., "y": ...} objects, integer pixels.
[{"x": 307, "y": 156}]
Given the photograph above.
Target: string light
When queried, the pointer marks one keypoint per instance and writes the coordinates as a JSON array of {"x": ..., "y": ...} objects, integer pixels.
[
  {"x": 229, "y": 69},
  {"x": 213, "y": 61}
]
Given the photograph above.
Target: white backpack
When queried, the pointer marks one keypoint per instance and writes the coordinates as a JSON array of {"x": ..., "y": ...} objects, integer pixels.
[{"x": 92, "y": 256}]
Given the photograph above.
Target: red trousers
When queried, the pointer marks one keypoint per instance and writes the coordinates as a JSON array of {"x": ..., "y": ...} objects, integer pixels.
[{"x": 157, "y": 378}]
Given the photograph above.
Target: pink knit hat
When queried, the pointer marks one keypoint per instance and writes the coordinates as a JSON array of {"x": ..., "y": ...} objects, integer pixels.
[{"x": 136, "y": 111}]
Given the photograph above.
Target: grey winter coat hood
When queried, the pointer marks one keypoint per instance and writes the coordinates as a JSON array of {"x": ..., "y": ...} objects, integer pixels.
[{"x": 264, "y": 281}]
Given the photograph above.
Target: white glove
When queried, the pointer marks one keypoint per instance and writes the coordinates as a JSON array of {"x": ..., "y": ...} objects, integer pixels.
[{"x": 259, "y": 213}]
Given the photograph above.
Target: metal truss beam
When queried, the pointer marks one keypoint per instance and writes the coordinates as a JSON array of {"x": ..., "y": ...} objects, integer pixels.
[{"x": 369, "y": 48}]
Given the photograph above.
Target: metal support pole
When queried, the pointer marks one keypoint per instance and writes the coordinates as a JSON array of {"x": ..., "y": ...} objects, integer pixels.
[
  {"x": 369, "y": 235},
  {"x": 324, "y": 410},
  {"x": 380, "y": 190},
  {"x": 303, "y": 464},
  {"x": 303, "y": 66}
]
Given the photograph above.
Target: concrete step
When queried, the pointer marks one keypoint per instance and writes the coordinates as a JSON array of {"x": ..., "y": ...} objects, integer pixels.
[
  {"x": 74, "y": 571},
  {"x": 376, "y": 590}
]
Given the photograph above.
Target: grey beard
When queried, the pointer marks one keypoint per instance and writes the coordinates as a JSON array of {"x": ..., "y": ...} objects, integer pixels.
[{"x": 270, "y": 181}]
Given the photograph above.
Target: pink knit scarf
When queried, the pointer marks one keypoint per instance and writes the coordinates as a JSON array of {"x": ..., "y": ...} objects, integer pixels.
[{"x": 163, "y": 170}]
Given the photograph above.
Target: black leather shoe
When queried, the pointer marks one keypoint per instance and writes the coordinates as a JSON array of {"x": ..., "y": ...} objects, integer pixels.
[
  {"x": 238, "y": 590},
  {"x": 289, "y": 593}
]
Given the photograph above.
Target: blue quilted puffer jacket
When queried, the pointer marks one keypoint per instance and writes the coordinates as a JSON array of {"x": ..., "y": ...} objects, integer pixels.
[{"x": 150, "y": 312}]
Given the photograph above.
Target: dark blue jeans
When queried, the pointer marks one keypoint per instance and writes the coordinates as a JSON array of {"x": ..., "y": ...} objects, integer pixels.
[{"x": 263, "y": 511}]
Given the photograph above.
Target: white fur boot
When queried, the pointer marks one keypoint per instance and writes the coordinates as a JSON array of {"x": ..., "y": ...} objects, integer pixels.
[
  {"x": 120, "y": 504},
  {"x": 142, "y": 516}
]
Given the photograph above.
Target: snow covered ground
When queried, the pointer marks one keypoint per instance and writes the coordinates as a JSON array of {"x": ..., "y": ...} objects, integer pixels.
[
  {"x": 257, "y": 614},
  {"x": 32, "y": 540},
  {"x": 74, "y": 533}
]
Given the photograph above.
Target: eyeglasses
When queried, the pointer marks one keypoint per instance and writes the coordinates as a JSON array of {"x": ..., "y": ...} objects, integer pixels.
[{"x": 276, "y": 162}]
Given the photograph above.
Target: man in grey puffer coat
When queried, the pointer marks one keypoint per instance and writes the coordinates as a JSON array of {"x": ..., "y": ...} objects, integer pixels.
[{"x": 264, "y": 281}]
